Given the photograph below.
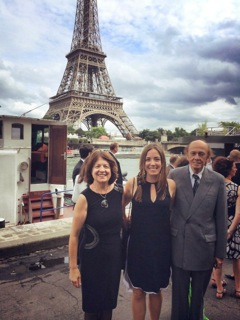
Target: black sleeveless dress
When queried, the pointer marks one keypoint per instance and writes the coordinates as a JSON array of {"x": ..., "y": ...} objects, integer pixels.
[
  {"x": 149, "y": 247},
  {"x": 101, "y": 255}
]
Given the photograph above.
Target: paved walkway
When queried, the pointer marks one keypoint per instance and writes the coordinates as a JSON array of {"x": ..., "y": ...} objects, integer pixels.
[
  {"x": 36, "y": 237},
  {"x": 23, "y": 239}
]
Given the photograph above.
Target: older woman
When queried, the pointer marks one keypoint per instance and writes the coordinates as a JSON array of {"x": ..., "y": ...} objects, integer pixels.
[
  {"x": 149, "y": 249},
  {"x": 98, "y": 210},
  {"x": 228, "y": 169}
]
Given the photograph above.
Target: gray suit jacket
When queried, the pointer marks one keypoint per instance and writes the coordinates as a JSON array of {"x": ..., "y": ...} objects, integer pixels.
[{"x": 198, "y": 223}]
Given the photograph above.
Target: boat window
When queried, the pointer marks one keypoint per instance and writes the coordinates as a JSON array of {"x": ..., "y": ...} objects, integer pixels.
[{"x": 17, "y": 131}]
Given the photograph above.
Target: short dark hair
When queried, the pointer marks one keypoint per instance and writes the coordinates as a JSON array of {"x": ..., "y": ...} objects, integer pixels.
[
  {"x": 181, "y": 161},
  {"x": 173, "y": 158},
  {"x": 92, "y": 159},
  {"x": 223, "y": 166},
  {"x": 113, "y": 145},
  {"x": 85, "y": 149}
]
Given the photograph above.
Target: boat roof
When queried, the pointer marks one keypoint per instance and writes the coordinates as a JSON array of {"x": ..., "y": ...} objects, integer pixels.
[{"x": 32, "y": 120}]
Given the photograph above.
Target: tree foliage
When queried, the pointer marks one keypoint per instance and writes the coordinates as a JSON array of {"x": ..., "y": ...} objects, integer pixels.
[
  {"x": 202, "y": 128},
  {"x": 96, "y": 132},
  {"x": 71, "y": 130},
  {"x": 149, "y": 135},
  {"x": 231, "y": 124},
  {"x": 155, "y": 135},
  {"x": 80, "y": 132}
]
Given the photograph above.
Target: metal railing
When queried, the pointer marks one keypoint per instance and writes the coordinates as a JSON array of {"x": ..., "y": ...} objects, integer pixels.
[{"x": 58, "y": 206}]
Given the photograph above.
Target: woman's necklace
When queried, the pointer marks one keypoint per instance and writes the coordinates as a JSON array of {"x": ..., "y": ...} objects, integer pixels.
[{"x": 104, "y": 203}]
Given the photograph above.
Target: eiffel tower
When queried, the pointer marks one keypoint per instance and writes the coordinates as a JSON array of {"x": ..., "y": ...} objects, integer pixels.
[{"x": 86, "y": 94}]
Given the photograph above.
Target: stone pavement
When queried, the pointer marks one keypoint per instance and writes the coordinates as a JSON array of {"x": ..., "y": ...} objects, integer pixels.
[
  {"x": 28, "y": 239},
  {"x": 23, "y": 239}
]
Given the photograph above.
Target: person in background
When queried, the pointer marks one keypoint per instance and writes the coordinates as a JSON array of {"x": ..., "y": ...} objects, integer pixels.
[
  {"x": 148, "y": 261},
  {"x": 172, "y": 161},
  {"x": 210, "y": 160},
  {"x": 84, "y": 151},
  {"x": 99, "y": 212},
  {"x": 198, "y": 227},
  {"x": 113, "y": 150},
  {"x": 234, "y": 155},
  {"x": 181, "y": 161},
  {"x": 228, "y": 169},
  {"x": 80, "y": 184}
]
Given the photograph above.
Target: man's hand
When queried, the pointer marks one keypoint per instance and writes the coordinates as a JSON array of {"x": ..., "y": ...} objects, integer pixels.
[{"x": 218, "y": 263}]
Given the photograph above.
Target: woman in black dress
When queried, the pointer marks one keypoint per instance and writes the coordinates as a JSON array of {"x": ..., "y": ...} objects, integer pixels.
[
  {"x": 99, "y": 212},
  {"x": 149, "y": 247}
]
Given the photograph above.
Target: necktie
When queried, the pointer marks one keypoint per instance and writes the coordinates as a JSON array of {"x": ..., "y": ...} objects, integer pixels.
[{"x": 196, "y": 183}]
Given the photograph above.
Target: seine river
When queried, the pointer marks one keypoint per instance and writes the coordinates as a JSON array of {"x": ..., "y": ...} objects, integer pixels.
[{"x": 127, "y": 165}]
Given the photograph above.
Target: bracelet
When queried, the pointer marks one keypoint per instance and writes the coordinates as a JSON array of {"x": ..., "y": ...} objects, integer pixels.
[
  {"x": 229, "y": 232},
  {"x": 72, "y": 268}
]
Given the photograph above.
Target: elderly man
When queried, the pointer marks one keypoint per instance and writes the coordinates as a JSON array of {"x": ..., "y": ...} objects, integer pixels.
[{"x": 199, "y": 229}]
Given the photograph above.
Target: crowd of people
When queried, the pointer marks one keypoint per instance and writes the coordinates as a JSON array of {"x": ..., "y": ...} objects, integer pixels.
[{"x": 185, "y": 219}]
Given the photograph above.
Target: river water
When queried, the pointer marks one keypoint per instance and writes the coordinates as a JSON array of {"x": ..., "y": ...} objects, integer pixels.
[{"x": 131, "y": 166}]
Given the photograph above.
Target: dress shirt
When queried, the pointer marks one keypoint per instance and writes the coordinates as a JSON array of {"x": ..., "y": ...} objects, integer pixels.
[{"x": 191, "y": 175}]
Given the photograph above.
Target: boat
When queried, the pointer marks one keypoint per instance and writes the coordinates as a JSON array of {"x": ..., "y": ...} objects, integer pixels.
[{"x": 33, "y": 155}]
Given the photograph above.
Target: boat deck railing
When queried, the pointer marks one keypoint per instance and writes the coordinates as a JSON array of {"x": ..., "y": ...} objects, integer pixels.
[{"x": 58, "y": 203}]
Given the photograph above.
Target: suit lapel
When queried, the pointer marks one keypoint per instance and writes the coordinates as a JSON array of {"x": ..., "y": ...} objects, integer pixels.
[
  {"x": 201, "y": 193},
  {"x": 113, "y": 155},
  {"x": 187, "y": 187}
]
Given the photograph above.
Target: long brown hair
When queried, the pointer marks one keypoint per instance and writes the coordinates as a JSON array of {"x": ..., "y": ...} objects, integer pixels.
[{"x": 161, "y": 185}]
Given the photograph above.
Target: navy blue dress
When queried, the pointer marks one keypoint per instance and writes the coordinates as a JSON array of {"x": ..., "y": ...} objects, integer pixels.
[
  {"x": 149, "y": 247},
  {"x": 101, "y": 255}
]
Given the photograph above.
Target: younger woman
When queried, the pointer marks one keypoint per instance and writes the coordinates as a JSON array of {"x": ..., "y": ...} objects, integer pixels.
[{"x": 149, "y": 248}]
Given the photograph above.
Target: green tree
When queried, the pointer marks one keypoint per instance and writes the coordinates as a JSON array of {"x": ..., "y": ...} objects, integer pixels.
[
  {"x": 193, "y": 133},
  {"x": 96, "y": 132},
  {"x": 202, "y": 128},
  {"x": 161, "y": 132},
  {"x": 231, "y": 124},
  {"x": 144, "y": 133},
  {"x": 70, "y": 130},
  {"x": 169, "y": 135},
  {"x": 178, "y": 133},
  {"x": 230, "y": 127},
  {"x": 150, "y": 135},
  {"x": 80, "y": 132},
  {"x": 153, "y": 135}
]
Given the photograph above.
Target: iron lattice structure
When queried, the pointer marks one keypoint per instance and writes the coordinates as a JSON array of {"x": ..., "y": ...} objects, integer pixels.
[{"x": 86, "y": 94}]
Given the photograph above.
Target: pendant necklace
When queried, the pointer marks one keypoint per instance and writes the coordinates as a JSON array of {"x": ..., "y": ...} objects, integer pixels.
[{"x": 104, "y": 203}]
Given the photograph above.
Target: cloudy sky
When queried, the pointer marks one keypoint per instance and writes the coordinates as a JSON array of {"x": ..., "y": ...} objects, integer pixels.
[{"x": 175, "y": 63}]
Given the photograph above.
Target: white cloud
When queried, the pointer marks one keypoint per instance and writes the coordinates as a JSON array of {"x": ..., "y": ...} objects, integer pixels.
[{"x": 175, "y": 63}]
